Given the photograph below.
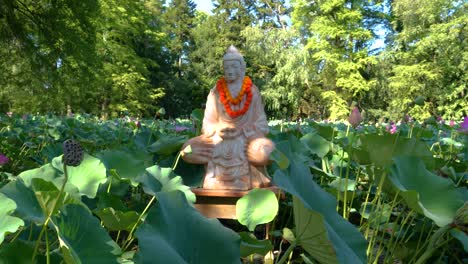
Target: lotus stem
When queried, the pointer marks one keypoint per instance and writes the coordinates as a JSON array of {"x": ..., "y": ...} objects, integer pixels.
[
  {"x": 433, "y": 244},
  {"x": 46, "y": 222},
  {"x": 129, "y": 239},
  {"x": 287, "y": 253}
]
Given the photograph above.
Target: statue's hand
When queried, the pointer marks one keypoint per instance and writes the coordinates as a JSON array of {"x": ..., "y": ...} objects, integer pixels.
[
  {"x": 201, "y": 150},
  {"x": 229, "y": 132}
]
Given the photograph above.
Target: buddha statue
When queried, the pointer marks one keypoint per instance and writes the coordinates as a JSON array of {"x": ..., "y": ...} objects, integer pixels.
[{"x": 233, "y": 146}]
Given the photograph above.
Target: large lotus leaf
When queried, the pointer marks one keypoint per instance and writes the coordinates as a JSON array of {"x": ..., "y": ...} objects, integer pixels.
[
  {"x": 115, "y": 220},
  {"x": 381, "y": 149},
  {"x": 21, "y": 252},
  {"x": 192, "y": 174},
  {"x": 291, "y": 147},
  {"x": 350, "y": 246},
  {"x": 82, "y": 239},
  {"x": 436, "y": 197},
  {"x": 258, "y": 206},
  {"x": 461, "y": 236},
  {"x": 311, "y": 233},
  {"x": 280, "y": 159},
  {"x": 87, "y": 176},
  {"x": 157, "y": 179},
  {"x": 251, "y": 245},
  {"x": 8, "y": 223},
  {"x": 46, "y": 172},
  {"x": 28, "y": 207},
  {"x": 343, "y": 185},
  {"x": 167, "y": 144},
  {"x": 124, "y": 163},
  {"x": 316, "y": 144},
  {"x": 47, "y": 193},
  {"x": 175, "y": 232},
  {"x": 325, "y": 130}
]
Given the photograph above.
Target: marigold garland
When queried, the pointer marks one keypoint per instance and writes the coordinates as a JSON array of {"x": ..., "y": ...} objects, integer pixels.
[{"x": 226, "y": 97}]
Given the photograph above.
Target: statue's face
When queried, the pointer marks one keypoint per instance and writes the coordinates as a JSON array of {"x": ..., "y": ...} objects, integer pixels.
[{"x": 232, "y": 70}]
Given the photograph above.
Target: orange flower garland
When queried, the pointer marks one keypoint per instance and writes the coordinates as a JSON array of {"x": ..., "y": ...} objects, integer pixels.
[{"x": 226, "y": 97}]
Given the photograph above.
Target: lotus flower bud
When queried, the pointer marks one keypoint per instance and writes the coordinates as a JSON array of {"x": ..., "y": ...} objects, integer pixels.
[
  {"x": 72, "y": 153},
  {"x": 420, "y": 100},
  {"x": 355, "y": 117}
]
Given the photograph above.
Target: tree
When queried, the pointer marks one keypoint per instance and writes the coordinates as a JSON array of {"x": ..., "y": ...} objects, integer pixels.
[
  {"x": 429, "y": 58},
  {"x": 335, "y": 34},
  {"x": 45, "y": 47}
]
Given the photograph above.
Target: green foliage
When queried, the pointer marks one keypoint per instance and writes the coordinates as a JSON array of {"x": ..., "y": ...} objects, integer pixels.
[
  {"x": 346, "y": 191},
  {"x": 77, "y": 229},
  {"x": 159, "y": 179},
  {"x": 429, "y": 57},
  {"x": 8, "y": 223},
  {"x": 424, "y": 192},
  {"x": 337, "y": 39},
  {"x": 259, "y": 206},
  {"x": 175, "y": 232}
]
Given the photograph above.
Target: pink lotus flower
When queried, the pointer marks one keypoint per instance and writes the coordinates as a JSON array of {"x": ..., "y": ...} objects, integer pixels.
[
  {"x": 3, "y": 159},
  {"x": 392, "y": 128},
  {"x": 464, "y": 126},
  {"x": 137, "y": 123},
  {"x": 451, "y": 123},
  {"x": 355, "y": 117}
]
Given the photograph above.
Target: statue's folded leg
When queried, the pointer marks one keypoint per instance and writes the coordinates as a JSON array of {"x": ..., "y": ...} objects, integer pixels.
[
  {"x": 258, "y": 155},
  {"x": 259, "y": 150}
]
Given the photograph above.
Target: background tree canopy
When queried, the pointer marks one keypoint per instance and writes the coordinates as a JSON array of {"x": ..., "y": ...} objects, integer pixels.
[{"x": 309, "y": 58}]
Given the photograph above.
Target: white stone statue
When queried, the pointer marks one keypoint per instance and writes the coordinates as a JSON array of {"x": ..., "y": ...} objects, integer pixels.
[{"x": 233, "y": 145}]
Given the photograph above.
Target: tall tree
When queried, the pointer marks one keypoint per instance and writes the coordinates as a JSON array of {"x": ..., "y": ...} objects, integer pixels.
[
  {"x": 182, "y": 86},
  {"x": 429, "y": 57},
  {"x": 335, "y": 34},
  {"x": 47, "y": 49}
]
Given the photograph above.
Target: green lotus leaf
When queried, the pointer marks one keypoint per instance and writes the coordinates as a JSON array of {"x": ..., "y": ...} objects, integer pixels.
[
  {"x": 381, "y": 149},
  {"x": 27, "y": 206},
  {"x": 158, "y": 179},
  {"x": 349, "y": 244},
  {"x": 343, "y": 185},
  {"x": 434, "y": 196},
  {"x": 82, "y": 239},
  {"x": 258, "y": 206},
  {"x": 46, "y": 172},
  {"x": 175, "y": 232},
  {"x": 316, "y": 144},
  {"x": 124, "y": 163},
  {"x": 47, "y": 193},
  {"x": 21, "y": 252},
  {"x": 86, "y": 177},
  {"x": 280, "y": 159},
  {"x": 8, "y": 223},
  {"x": 167, "y": 144},
  {"x": 251, "y": 245},
  {"x": 116, "y": 220},
  {"x": 311, "y": 233},
  {"x": 461, "y": 236}
]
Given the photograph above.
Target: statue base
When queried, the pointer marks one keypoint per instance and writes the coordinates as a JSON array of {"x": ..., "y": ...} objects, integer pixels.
[{"x": 222, "y": 203}]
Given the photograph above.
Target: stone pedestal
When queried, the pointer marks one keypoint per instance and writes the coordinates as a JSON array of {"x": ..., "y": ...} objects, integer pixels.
[{"x": 222, "y": 203}]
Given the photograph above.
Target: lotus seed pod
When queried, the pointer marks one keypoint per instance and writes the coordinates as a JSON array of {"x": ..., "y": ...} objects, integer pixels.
[{"x": 72, "y": 153}]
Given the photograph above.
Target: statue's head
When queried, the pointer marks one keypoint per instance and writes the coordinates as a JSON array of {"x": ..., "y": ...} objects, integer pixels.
[{"x": 233, "y": 65}]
